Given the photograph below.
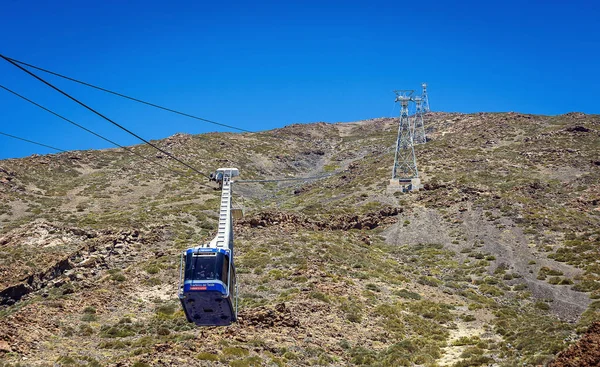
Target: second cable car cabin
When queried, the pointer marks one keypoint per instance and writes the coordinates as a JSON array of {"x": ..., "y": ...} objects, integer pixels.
[{"x": 208, "y": 292}]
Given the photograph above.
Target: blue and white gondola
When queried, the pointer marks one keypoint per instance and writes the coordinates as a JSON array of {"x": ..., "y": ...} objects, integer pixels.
[{"x": 208, "y": 289}]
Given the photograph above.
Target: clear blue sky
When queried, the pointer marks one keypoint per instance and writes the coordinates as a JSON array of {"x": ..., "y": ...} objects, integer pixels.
[{"x": 260, "y": 65}]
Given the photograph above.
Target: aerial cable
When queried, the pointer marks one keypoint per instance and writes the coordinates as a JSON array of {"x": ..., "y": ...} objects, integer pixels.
[
  {"x": 89, "y": 131},
  {"x": 65, "y": 151},
  {"x": 32, "y": 142},
  {"x": 125, "y": 96},
  {"x": 93, "y": 133},
  {"x": 393, "y": 110},
  {"x": 136, "y": 99},
  {"x": 288, "y": 179},
  {"x": 104, "y": 117}
]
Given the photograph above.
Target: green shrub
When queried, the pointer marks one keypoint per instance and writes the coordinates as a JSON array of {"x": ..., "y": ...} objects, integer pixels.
[
  {"x": 320, "y": 296},
  {"x": 545, "y": 271},
  {"x": 76, "y": 361},
  {"x": 589, "y": 316},
  {"x": 166, "y": 309},
  {"x": 152, "y": 269},
  {"x": 519, "y": 287},
  {"x": 152, "y": 281},
  {"x": 554, "y": 280},
  {"x": 468, "y": 318},
  {"x": 404, "y": 293},
  {"x": 475, "y": 362},
  {"x": 439, "y": 312},
  {"x": 430, "y": 281},
  {"x": 118, "y": 277},
  {"x": 117, "y": 331},
  {"x": 587, "y": 285},
  {"x": 114, "y": 344},
  {"x": 372, "y": 287},
  {"x": 85, "y": 330},
  {"x": 88, "y": 317},
  {"x": 254, "y": 361},
  {"x": 471, "y": 352},
  {"x": 352, "y": 310},
  {"x": 465, "y": 340},
  {"x": 290, "y": 355},
  {"x": 344, "y": 344},
  {"x": 491, "y": 290},
  {"x": 235, "y": 352},
  {"x": 205, "y": 356},
  {"x": 362, "y": 356}
]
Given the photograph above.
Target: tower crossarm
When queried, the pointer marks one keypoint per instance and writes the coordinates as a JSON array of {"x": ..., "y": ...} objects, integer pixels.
[{"x": 404, "y": 94}]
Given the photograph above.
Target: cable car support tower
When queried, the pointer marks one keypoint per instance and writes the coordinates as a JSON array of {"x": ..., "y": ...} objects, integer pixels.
[
  {"x": 405, "y": 175},
  {"x": 419, "y": 136},
  {"x": 425, "y": 98}
]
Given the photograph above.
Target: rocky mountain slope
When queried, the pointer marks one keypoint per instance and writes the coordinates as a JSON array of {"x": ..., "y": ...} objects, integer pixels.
[{"x": 495, "y": 262}]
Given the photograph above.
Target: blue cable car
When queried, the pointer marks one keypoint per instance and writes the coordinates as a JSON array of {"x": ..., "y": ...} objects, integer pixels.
[
  {"x": 208, "y": 292},
  {"x": 209, "y": 279}
]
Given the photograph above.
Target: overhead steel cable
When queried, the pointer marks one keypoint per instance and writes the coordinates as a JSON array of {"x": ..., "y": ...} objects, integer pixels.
[
  {"x": 32, "y": 142},
  {"x": 288, "y": 179},
  {"x": 65, "y": 151},
  {"x": 89, "y": 131},
  {"x": 103, "y": 116},
  {"x": 140, "y": 100},
  {"x": 125, "y": 96}
]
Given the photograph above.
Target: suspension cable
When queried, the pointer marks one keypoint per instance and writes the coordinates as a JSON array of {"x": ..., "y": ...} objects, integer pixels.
[
  {"x": 65, "y": 151},
  {"x": 32, "y": 142},
  {"x": 126, "y": 96},
  {"x": 90, "y": 131},
  {"x": 289, "y": 179},
  {"x": 103, "y": 116},
  {"x": 137, "y": 99}
]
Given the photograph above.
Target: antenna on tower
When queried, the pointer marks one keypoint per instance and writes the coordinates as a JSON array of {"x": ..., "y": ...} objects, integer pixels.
[
  {"x": 405, "y": 175},
  {"x": 418, "y": 124},
  {"x": 425, "y": 98}
]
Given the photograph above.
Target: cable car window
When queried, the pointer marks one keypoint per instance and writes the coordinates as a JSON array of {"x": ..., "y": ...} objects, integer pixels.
[
  {"x": 202, "y": 268},
  {"x": 225, "y": 271}
]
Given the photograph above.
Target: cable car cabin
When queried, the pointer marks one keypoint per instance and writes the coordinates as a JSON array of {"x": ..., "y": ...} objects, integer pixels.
[{"x": 208, "y": 293}]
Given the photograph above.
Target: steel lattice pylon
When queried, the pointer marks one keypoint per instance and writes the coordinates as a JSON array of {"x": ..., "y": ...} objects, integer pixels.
[
  {"x": 418, "y": 125},
  {"x": 405, "y": 162},
  {"x": 425, "y": 98}
]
